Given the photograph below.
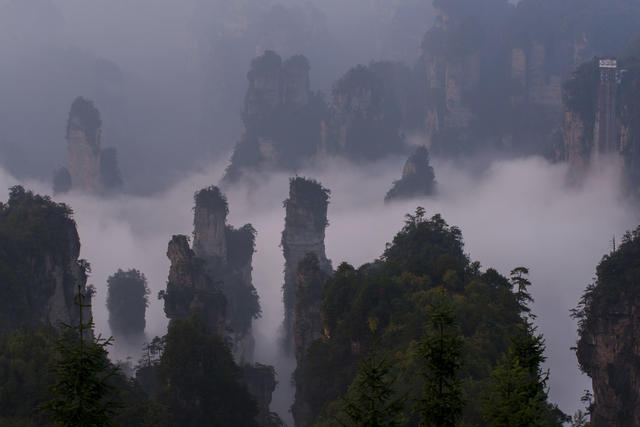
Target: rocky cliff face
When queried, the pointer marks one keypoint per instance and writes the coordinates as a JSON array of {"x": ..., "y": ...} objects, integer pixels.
[
  {"x": 228, "y": 254},
  {"x": 91, "y": 169},
  {"x": 84, "y": 130},
  {"x": 39, "y": 267},
  {"x": 602, "y": 121},
  {"x": 281, "y": 116},
  {"x": 609, "y": 346},
  {"x": 307, "y": 327},
  {"x": 191, "y": 289},
  {"x": 418, "y": 178},
  {"x": 305, "y": 224},
  {"x": 365, "y": 114}
]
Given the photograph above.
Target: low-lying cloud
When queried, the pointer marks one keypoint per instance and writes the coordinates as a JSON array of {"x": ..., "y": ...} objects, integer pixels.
[{"x": 517, "y": 212}]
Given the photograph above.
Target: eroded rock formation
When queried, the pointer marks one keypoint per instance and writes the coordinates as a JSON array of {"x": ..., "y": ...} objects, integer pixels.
[
  {"x": 39, "y": 267},
  {"x": 261, "y": 381},
  {"x": 91, "y": 168},
  {"x": 418, "y": 178},
  {"x": 191, "y": 289},
  {"x": 304, "y": 232},
  {"x": 310, "y": 281},
  {"x": 228, "y": 253},
  {"x": 281, "y": 117},
  {"x": 366, "y": 113},
  {"x": 609, "y": 346}
]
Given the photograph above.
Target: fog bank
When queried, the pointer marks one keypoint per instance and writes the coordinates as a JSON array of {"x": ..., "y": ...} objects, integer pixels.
[{"x": 517, "y": 212}]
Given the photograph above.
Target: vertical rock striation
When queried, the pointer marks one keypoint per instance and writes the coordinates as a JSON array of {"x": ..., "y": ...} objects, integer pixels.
[
  {"x": 304, "y": 232},
  {"x": 228, "y": 254},
  {"x": 84, "y": 131},
  {"x": 609, "y": 327},
  {"x": 91, "y": 169},
  {"x": 307, "y": 307}
]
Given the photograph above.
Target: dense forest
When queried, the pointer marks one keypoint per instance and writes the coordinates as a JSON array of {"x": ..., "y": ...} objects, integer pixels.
[{"x": 154, "y": 270}]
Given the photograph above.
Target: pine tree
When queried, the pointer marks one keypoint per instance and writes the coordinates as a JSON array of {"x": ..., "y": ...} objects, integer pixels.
[
  {"x": 82, "y": 395},
  {"x": 441, "y": 351},
  {"x": 518, "y": 394},
  {"x": 370, "y": 400}
]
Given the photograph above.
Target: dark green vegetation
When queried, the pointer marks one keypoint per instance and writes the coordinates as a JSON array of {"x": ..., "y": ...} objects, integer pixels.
[
  {"x": 199, "y": 382},
  {"x": 607, "y": 349},
  {"x": 35, "y": 233},
  {"x": 127, "y": 301},
  {"x": 82, "y": 395},
  {"x": 50, "y": 376},
  {"x": 395, "y": 294},
  {"x": 86, "y": 117}
]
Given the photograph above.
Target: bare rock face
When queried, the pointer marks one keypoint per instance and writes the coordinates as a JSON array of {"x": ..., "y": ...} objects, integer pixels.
[
  {"x": 304, "y": 232},
  {"x": 307, "y": 327},
  {"x": 609, "y": 346},
  {"x": 209, "y": 225},
  {"x": 40, "y": 275},
  {"x": 226, "y": 254},
  {"x": 190, "y": 288},
  {"x": 418, "y": 178},
  {"x": 84, "y": 130},
  {"x": 91, "y": 169}
]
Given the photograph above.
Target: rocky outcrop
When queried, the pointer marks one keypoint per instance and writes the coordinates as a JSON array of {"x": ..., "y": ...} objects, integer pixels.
[
  {"x": 91, "y": 169},
  {"x": 418, "y": 178},
  {"x": 307, "y": 327},
  {"x": 281, "y": 117},
  {"x": 191, "y": 289},
  {"x": 84, "y": 131},
  {"x": 261, "y": 381},
  {"x": 39, "y": 267},
  {"x": 365, "y": 115},
  {"x": 228, "y": 254},
  {"x": 304, "y": 232},
  {"x": 609, "y": 346}
]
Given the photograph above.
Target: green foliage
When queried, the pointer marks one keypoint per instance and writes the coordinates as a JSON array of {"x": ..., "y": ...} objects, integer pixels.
[
  {"x": 395, "y": 293},
  {"x": 441, "y": 353},
  {"x": 127, "y": 300},
  {"x": 615, "y": 282},
  {"x": 212, "y": 198},
  {"x": 370, "y": 400},
  {"x": 82, "y": 395},
  {"x": 33, "y": 228},
  {"x": 200, "y": 383},
  {"x": 25, "y": 356},
  {"x": 310, "y": 196},
  {"x": 518, "y": 393}
]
